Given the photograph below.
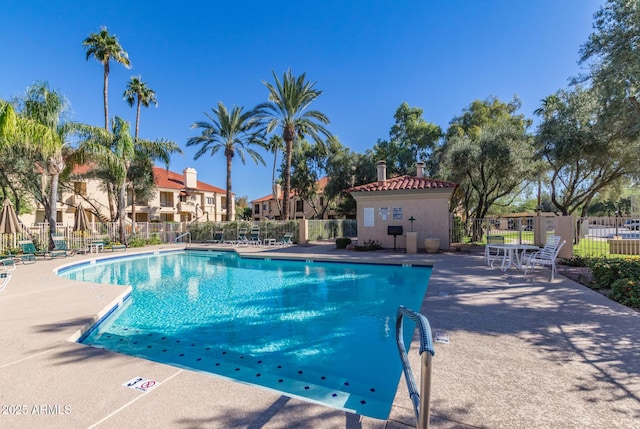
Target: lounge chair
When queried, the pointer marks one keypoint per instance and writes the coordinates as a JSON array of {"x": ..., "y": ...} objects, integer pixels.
[
  {"x": 60, "y": 247},
  {"x": 28, "y": 248},
  {"x": 254, "y": 236},
  {"x": 286, "y": 240},
  {"x": 546, "y": 256},
  {"x": 242, "y": 237},
  {"x": 4, "y": 280},
  {"x": 218, "y": 237},
  {"x": 9, "y": 264}
]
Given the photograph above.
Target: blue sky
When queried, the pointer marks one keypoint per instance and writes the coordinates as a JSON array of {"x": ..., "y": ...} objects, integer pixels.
[{"x": 367, "y": 56}]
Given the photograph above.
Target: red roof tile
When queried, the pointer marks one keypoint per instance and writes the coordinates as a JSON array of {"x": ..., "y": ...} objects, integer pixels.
[
  {"x": 171, "y": 180},
  {"x": 320, "y": 185},
  {"x": 403, "y": 183}
]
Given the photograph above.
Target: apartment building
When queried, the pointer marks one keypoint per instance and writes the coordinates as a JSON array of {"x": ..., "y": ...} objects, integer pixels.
[
  {"x": 268, "y": 207},
  {"x": 177, "y": 198}
]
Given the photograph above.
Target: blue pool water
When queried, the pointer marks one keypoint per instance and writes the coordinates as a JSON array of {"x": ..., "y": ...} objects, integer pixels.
[{"x": 320, "y": 331}]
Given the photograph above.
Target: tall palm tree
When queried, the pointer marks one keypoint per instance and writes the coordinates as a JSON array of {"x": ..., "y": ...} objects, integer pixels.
[
  {"x": 117, "y": 151},
  {"x": 139, "y": 93},
  {"x": 275, "y": 143},
  {"x": 105, "y": 47},
  {"x": 286, "y": 108},
  {"x": 233, "y": 131}
]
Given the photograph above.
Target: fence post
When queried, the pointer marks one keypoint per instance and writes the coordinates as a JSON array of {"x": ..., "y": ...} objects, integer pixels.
[{"x": 303, "y": 227}]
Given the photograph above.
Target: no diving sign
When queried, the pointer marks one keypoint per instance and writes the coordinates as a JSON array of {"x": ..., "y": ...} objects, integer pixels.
[{"x": 140, "y": 383}]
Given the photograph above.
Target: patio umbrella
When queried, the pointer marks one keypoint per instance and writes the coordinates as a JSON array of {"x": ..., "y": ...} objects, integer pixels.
[
  {"x": 80, "y": 223},
  {"x": 9, "y": 223}
]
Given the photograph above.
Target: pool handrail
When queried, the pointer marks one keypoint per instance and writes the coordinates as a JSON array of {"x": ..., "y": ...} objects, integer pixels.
[
  {"x": 420, "y": 398},
  {"x": 188, "y": 233}
]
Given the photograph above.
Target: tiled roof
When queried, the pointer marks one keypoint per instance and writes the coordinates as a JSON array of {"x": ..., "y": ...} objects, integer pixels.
[
  {"x": 320, "y": 185},
  {"x": 403, "y": 183},
  {"x": 171, "y": 180},
  {"x": 163, "y": 178}
]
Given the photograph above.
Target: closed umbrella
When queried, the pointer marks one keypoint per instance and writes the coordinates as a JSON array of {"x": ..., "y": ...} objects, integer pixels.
[
  {"x": 81, "y": 223},
  {"x": 9, "y": 223}
]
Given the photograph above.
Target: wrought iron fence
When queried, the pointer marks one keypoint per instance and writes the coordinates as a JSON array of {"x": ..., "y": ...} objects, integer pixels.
[
  {"x": 476, "y": 231},
  {"x": 592, "y": 236},
  {"x": 271, "y": 229},
  {"x": 106, "y": 231},
  {"x": 332, "y": 229},
  {"x": 607, "y": 237}
]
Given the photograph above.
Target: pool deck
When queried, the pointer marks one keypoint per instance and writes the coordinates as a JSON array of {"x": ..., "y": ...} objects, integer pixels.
[{"x": 523, "y": 353}]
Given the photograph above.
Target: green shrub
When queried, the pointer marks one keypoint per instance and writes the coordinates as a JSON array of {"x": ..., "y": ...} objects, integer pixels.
[
  {"x": 626, "y": 291},
  {"x": 577, "y": 261},
  {"x": 607, "y": 270},
  {"x": 155, "y": 239},
  {"x": 136, "y": 241},
  {"x": 342, "y": 242},
  {"x": 369, "y": 245}
]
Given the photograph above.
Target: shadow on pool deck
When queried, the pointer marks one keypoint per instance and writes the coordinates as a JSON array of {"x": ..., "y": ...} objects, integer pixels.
[{"x": 523, "y": 352}]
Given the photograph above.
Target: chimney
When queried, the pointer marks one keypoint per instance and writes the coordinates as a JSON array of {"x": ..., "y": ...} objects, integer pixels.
[
  {"x": 277, "y": 190},
  {"x": 382, "y": 171},
  {"x": 420, "y": 169},
  {"x": 190, "y": 178}
]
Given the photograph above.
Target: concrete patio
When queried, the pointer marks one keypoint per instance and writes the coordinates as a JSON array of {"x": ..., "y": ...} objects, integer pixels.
[{"x": 523, "y": 353}]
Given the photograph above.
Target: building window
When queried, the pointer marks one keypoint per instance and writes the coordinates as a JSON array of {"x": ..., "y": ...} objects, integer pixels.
[
  {"x": 256, "y": 208},
  {"x": 183, "y": 198},
  {"x": 321, "y": 201},
  {"x": 166, "y": 199},
  {"x": 80, "y": 188},
  {"x": 210, "y": 201},
  {"x": 299, "y": 206}
]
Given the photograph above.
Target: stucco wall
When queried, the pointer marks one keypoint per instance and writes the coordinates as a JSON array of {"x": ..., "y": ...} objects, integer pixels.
[{"x": 430, "y": 210}]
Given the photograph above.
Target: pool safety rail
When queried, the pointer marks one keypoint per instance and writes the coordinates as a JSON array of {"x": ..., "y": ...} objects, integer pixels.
[
  {"x": 420, "y": 398},
  {"x": 186, "y": 234}
]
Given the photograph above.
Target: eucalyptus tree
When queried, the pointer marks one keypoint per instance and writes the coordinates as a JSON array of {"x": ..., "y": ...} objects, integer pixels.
[
  {"x": 612, "y": 53},
  {"x": 286, "y": 108},
  {"x": 105, "y": 47},
  {"x": 411, "y": 139},
  {"x": 117, "y": 151},
  {"x": 584, "y": 151},
  {"x": 233, "y": 132},
  {"x": 488, "y": 153}
]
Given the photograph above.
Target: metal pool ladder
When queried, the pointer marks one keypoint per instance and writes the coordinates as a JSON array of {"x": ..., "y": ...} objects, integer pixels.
[{"x": 420, "y": 398}]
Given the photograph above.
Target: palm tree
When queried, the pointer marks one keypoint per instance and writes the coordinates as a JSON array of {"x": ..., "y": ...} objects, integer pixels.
[
  {"x": 138, "y": 92},
  {"x": 21, "y": 139},
  {"x": 118, "y": 150},
  {"x": 105, "y": 47},
  {"x": 286, "y": 108},
  {"x": 275, "y": 143},
  {"x": 233, "y": 131}
]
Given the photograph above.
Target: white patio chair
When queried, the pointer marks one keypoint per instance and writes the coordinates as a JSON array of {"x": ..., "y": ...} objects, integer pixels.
[
  {"x": 546, "y": 256},
  {"x": 491, "y": 253}
]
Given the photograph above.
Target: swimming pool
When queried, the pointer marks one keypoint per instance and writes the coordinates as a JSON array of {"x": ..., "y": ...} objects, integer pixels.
[{"x": 320, "y": 331}]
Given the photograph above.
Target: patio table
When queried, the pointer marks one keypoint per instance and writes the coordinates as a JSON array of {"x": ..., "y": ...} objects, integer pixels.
[{"x": 512, "y": 254}]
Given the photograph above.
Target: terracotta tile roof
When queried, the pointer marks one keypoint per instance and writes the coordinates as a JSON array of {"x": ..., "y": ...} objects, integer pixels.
[
  {"x": 171, "y": 180},
  {"x": 320, "y": 183},
  {"x": 84, "y": 168},
  {"x": 163, "y": 178},
  {"x": 403, "y": 183}
]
